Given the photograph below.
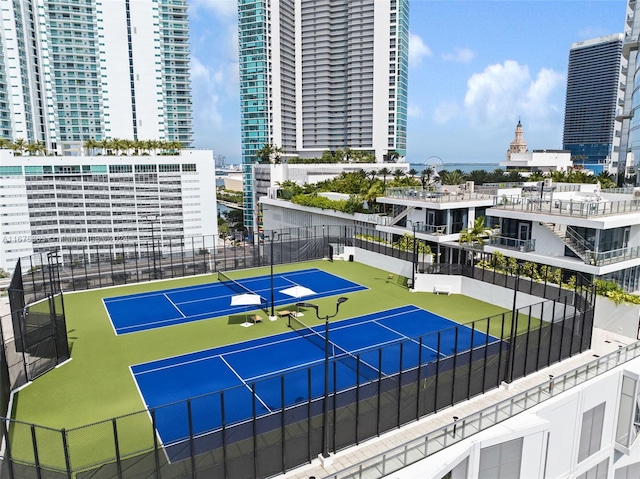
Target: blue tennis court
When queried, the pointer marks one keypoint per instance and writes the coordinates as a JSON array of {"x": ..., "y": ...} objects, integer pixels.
[
  {"x": 139, "y": 312},
  {"x": 269, "y": 374}
]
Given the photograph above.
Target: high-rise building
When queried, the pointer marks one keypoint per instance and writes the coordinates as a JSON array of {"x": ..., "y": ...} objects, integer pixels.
[
  {"x": 592, "y": 93},
  {"x": 73, "y": 70},
  {"x": 322, "y": 75},
  {"x": 629, "y": 151}
]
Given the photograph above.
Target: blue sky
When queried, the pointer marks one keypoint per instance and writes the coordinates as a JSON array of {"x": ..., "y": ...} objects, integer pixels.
[{"x": 476, "y": 67}]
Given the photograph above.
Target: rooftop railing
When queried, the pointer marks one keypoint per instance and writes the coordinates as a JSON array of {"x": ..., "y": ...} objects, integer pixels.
[
  {"x": 454, "y": 432},
  {"x": 433, "y": 196},
  {"x": 583, "y": 208}
]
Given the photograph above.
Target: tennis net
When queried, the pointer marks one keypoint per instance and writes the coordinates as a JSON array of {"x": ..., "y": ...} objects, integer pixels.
[
  {"x": 336, "y": 352},
  {"x": 242, "y": 289}
]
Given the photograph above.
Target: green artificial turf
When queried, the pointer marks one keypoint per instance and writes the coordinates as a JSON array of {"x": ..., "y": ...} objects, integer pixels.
[{"x": 96, "y": 384}]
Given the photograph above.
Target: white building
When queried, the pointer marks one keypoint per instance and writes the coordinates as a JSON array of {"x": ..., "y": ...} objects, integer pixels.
[
  {"x": 73, "y": 71},
  {"x": 573, "y": 226},
  {"x": 318, "y": 76},
  {"x": 545, "y": 161},
  {"x": 52, "y": 202}
]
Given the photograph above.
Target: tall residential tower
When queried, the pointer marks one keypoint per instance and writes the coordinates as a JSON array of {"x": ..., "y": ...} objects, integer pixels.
[
  {"x": 322, "y": 75},
  {"x": 592, "y": 93},
  {"x": 73, "y": 70}
]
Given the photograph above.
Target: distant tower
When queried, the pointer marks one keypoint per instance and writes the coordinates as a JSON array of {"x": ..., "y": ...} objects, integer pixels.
[
  {"x": 593, "y": 82},
  {"x": 518, "y": 145}
]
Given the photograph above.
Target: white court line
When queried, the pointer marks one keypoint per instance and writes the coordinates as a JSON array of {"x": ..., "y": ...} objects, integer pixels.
[
  {"x": 148, "y": 294},
  {"x": 246, "y": 385},
  {"x": 410, "y": 339},
  {"x": 168, "y": 366},
  {"x": 113, "y": 326},
  {"x": 174, "y": 305}
]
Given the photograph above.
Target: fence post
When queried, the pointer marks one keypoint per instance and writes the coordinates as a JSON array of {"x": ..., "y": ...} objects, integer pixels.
[
  {"x": 156, "y": 452},
  {"x": 7, "y": 448},
  {"x": 36, "y": 458},
  {"x": 117, "y": 447},
  {"x": 67, "y": 457}
]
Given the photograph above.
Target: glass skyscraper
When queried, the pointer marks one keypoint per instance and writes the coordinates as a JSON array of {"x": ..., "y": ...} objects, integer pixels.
[
  {"x": 592, "y": 92},
  {"x": 73, "y": 70},
  {"x": 319, "y": 75}
]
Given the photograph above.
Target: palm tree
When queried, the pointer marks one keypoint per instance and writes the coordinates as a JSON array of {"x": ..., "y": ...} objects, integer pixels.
[
  {"x": 475, "y": 234},
  {"x": 90, "y": 144},
  {"x": 454, "y": 177},
  {"x": 39, "y": 148},
  {"x": 398, "y": 173},
  {"x": 18, "y": 146},
  {"x": 4, "y": 143},
  {"x": 384, "y": 172},
  {"x": 412, "y": 172},
  {"x": 31, "y": 148},
  {"x": 104, "y": 144},
  {"x": 425, "y": 177}
]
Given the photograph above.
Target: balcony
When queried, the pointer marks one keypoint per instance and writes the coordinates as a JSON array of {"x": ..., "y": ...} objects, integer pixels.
[
  {"x": 583, "y": 207},
  {"x": 515, "y": 244},
  {"x": 427, "y": 195},
  {"x": 613, "y": 256}
]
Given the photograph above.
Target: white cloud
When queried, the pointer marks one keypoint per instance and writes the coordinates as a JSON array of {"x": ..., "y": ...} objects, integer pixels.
[
  {"x": 460, "y": 55},
  {"x": 414, "y": 111},
  {"x": 504, "y": 92},
  {"x": 417, "y": 50},
  {"x": 445, "y": 111}
]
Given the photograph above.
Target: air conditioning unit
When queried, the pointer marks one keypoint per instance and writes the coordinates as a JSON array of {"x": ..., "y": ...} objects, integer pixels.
[
  {"x": 636, "y": 193},
  {"x": 469, "y": 186},
  {"x": 548, "y": 183},
  {"x": 272, "y": 193}
]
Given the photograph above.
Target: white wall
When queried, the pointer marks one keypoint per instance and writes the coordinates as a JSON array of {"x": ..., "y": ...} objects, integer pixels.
[
  {"x": 618, "y": 318},
  {"x": 551, "y": 433}
]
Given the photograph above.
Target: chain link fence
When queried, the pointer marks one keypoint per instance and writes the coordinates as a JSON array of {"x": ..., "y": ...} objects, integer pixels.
[{"x": 214, "y": 441}]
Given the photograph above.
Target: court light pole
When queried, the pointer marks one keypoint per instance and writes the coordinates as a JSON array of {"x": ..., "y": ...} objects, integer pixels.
[
  {"x": 152, "y": 220},
  {"x": 272, "y": 237},
  {"x": 325, "y": 415}
]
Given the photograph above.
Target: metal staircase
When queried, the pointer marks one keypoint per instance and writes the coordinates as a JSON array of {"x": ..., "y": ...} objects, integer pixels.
[{"x": 571, "y": 239}]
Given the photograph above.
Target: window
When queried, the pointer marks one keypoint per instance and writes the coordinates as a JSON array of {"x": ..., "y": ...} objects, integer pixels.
[
  {"x": 599, "y": 471},
  {"x": 629, "y": 472},
  {"x": 591, "y": 432},
  {"x": 628, "y": 426},
  {"x": 501, "y": 461}
]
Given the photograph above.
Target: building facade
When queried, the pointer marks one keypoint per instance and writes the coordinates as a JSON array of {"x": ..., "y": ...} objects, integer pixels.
[
  {"x": 593, "y": 80},
  {"x": 49, "y": 203},
  {"x": 317, "y": 76},
  {"x": 73, "y": 70},
  {"x": 629, "y": 151}
]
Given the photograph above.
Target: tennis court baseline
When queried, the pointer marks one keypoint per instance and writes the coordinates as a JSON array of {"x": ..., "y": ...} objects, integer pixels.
[
  {"x": 251, "y": 373},
  {"x": 143, "y": 311}
]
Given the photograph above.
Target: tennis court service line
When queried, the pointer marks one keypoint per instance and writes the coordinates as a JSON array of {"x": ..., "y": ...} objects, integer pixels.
[
  {"x": 245, "y": 383},
  {"x": 174, "y": 305}
]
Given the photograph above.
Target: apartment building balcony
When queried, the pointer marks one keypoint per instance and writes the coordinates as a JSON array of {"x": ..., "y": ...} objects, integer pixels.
[
  {"x": 603, "y": 258},
  {"x": 586, "y": 206},
  {"x": 515, "y": 244}
]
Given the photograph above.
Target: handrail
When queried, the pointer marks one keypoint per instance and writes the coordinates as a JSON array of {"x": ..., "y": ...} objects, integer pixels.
[
  {"x": 454, "y": 432},
  {"x": 580, "y": 241}
]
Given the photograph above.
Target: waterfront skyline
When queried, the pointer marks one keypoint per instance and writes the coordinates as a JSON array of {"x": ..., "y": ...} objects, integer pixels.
[{"x": 476, "y": 68}]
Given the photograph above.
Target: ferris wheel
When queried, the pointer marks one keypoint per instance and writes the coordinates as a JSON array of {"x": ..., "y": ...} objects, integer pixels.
[{"x": 434, "y": 163}]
